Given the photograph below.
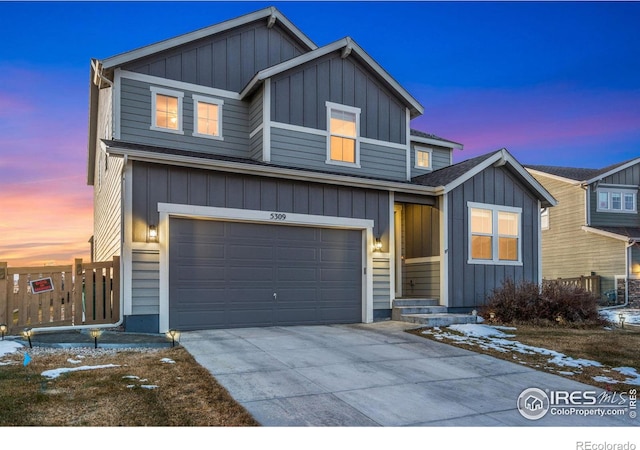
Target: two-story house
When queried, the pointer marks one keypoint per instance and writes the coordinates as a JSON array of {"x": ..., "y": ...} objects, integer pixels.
[
  {"x": 595, "y": 229},
  {"x": 248, "y": 177}
]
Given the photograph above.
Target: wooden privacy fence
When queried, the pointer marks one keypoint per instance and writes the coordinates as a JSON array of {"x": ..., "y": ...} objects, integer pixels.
[
  {"x": 589, "y": 283},
  {"x": 83, "y": 294}
]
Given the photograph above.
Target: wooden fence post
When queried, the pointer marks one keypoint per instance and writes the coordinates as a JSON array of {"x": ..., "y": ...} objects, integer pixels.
[
  {"x": 4, "y": 296},
  {"x": 78, "y": 284}
]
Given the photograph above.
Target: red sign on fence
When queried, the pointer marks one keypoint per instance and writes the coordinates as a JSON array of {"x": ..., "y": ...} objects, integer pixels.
[{"x": 42, "y": 285}]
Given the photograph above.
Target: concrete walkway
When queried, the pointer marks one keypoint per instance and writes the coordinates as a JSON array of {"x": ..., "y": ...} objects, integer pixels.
[{"x": 371, "y": 375}]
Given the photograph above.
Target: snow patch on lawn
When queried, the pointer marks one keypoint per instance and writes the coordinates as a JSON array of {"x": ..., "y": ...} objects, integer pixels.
[
  {"x": 631, "y": 316},
  {"x": 55, "y": 373},
  {"x": 167, "y": 360},
  {"x": 7, "y": 347}
]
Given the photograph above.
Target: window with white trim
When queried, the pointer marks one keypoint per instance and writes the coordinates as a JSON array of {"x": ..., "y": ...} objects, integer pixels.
[
  {"x": 423, "y": 158},
  {"x": 494, "y": 234},
  {"x": 207, "y": 117},
  {"x": 343, "y": 123},
  {"x": 166, "y": 110},
  {"x": 544, "y": 218},
  {"x": 617, "y": 200}
]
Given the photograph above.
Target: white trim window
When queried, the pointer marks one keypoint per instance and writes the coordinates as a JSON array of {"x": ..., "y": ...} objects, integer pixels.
[
  {"x": 617, "y": 200},
  {"x": 544, "y": 218},
  {"x": 343, "y": 128},
  {"x": 423, "y": 158},
  {"x": 207, "y": 117},
  {"x": 495, "y": 234},
  {"x": 166, "y": 110}
]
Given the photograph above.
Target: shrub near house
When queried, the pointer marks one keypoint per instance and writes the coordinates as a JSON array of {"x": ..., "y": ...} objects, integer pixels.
[{"x": 525, "y": 301}]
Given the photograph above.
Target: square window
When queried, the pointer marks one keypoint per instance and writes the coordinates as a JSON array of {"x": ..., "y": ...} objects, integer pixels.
[
  {"x": 207, "y": 117},
  {"x": 494, "y": 234},
  {"x": 616, "y": 201},
  {"x": 423, "y": 158},
  {"x": 166, "y": 112},
  {"x": 629, "y": 202},
  {"x": 603, "y": 200}
]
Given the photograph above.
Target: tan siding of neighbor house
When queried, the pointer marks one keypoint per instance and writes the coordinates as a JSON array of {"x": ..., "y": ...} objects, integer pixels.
[
  {"x": 567, "y": 250},
  {"x": 107, "y": 189}
]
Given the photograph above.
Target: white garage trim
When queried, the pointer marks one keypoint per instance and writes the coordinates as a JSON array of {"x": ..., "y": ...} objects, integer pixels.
[{"x": 169, "y": 210}]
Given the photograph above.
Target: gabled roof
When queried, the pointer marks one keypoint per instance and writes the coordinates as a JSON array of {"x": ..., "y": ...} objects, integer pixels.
[
  {"x": 426, "y": 138},
  {"x": 448, "y": 178},
  {"x": 348, "y": 47},
  {"x": 583, "y": 176},
  {"x": 271, "y": 12}
]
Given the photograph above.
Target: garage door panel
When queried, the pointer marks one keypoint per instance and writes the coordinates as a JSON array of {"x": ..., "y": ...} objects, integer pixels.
[{"x": 224, "y": 274}]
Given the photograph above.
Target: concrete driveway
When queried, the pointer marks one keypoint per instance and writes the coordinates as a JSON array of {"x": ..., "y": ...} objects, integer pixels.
[{"x": 371, "y": 375}]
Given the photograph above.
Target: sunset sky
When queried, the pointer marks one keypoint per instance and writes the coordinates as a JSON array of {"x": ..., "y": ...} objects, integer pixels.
[{"x": 554, "y": 83}]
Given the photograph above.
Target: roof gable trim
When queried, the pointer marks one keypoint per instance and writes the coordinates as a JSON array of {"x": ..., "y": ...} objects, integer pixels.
[
  {"x": 268, "y": 13},
  {"x": 612, "y": 171},
  {"x": 342, "y": 44}
]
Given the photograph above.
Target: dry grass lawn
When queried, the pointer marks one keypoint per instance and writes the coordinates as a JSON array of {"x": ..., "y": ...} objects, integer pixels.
[
  {"x": 612, "y": 348},
  {"x": 185, "y": 394}
]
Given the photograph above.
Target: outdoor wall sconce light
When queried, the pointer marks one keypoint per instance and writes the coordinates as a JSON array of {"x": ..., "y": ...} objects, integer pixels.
[
  {"x": 153, "y": 233},
  {"x": 3, "y": 329},
  {"x": 28, "y": 332},
  {"x": 173, "y": 335},
  {"x": 377, "y": 245},
  {"x": 622, "y": 319},
  {"x": 95, "y": 334}
]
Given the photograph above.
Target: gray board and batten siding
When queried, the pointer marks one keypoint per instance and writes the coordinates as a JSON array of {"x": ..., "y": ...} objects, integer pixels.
[
  {"x": 136, "y": 120},
  {"x": 154, "y": 183},
  {"x": 299, "y": 97},
  {"x": 470, "y": 284},
  {"x": 227, "y": 60},
  {"x": 629, "y": 177}
]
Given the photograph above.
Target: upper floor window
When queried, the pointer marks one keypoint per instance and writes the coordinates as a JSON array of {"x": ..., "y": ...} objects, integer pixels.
[
  {"x": 344, "y": 128},
  {"x": 166, "y": 108},
  {"x": 544, "y": 218},
  {"x": 617, "y": 200},
  {"x": 423, "y": 158},
  {"x": 494, "y": 234},
  {"x": 207, "y": 117}
]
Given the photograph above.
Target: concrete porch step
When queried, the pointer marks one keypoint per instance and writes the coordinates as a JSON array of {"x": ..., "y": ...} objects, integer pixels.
[
  {"x": 406, "y": 301},
  {"x": 439, "y": 320}
]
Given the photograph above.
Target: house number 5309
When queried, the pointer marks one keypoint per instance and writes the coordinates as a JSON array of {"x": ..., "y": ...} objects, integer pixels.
[{"x": 278, "y": 216}]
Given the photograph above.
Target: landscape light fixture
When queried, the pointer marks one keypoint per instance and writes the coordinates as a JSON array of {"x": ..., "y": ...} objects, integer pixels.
[
  {"x": 3, "y": 329},
  {"x": 492, "y": 316},
  {"x": 28, "y": 332},
  {"x": 173, "y": 334},
  {"x": 474, "y": 313},
  {"x": 377, "y": 245},
  {"x": 622, "y": 319},
  {"x": 95, "y": 334},
  {"x": 153, "y": 233}
]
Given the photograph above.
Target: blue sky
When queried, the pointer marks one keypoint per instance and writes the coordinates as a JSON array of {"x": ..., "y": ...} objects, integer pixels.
[{"x": 555, "y": 83}]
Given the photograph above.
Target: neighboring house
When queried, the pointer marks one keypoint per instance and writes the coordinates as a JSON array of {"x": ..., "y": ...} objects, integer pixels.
[
  {"x": 595, "y": 229},
  {"x": 248, "y": 177}
]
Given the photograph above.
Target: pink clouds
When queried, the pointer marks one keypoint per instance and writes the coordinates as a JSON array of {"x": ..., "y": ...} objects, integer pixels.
[
  {"x": 46, "y": 207},
  {"x": 526, "y": 120}
]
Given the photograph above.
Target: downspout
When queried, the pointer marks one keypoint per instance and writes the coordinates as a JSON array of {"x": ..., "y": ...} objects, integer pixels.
[{"x": 627, "y": 266}]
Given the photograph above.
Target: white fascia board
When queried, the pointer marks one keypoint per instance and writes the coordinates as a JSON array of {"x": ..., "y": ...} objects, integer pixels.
[
  {"x": 166, "y": 44},
  {"x": 553, "y": 177},
  {"x": 438, "y": 142},
  {"x": 619, "y": 237},
  {"x": 174, "y": 84},
  {"x": 501, "y": 158},
  {"x": 417, "y": 108},
  {"x": 612, "y": 171},
  {"x": 290, "y": 64},
  {"x": 271, "y": 171}
]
